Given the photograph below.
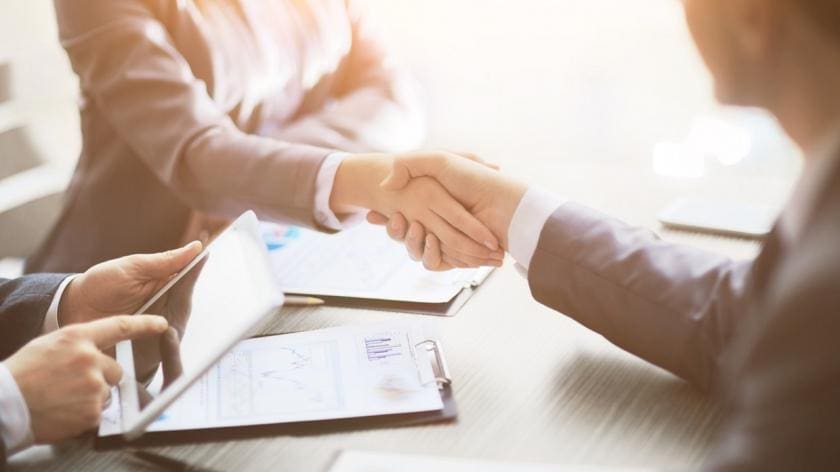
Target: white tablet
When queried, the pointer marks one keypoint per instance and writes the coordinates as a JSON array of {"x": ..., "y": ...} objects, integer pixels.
[
  {"x": 719, "y": 217},
  {"x": 217, "y": 300}
]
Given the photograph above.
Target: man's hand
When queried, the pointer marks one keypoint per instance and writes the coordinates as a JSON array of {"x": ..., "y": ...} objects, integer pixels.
[
  {"x": 358, "y": 185},
  {"x": 65, "y": 378},
  {"x": 176, "y": 306},
  {"x": 490, "y": 196},
  {"x": 121, "y": 285}
]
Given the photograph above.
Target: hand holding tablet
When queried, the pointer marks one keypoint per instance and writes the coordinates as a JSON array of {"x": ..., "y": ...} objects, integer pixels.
[{"x": 217, "y": 300}]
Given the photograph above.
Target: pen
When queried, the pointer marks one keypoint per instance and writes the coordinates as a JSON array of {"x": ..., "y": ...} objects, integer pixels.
[
  {"x": 166, "y": 463},
  {"x": 302, "y": 301}
]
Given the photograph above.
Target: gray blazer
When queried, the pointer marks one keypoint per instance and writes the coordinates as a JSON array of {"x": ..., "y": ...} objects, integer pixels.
[
  {"x": 23, "y": 304},
  {"x": 215, "y": 107},
  {"x": 763, "y": 334}
]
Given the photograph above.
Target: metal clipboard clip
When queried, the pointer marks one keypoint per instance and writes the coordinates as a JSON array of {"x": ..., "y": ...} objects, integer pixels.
[
  {"x": 478, "y": 278},
  {"x": 441, "y": 370}
]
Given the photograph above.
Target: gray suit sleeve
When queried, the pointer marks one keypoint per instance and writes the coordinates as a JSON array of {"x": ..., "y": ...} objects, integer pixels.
[
  {"x": 671, "y": 305},
  {"x": 23, "y": 304}
]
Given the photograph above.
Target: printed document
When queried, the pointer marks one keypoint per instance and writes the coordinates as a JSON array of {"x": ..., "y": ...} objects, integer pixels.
[
  {"x": 346, "y": 372},
  {"x": 362, "y": 262}
]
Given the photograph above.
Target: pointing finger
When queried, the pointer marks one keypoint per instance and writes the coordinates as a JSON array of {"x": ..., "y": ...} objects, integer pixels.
[{"x": 107, "y": 332}]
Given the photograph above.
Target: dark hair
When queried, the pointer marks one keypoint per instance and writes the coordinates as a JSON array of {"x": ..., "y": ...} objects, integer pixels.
[{"x": 824, "y": 13}]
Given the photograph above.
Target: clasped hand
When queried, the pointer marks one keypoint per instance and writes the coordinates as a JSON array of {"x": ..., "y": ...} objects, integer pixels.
[{"x": 467, "y": 184}]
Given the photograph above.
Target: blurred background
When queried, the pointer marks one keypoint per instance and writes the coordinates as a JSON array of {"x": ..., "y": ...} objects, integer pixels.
[
  {"x": 39, "y": 127},
  {"x": 588, "y": 98}
]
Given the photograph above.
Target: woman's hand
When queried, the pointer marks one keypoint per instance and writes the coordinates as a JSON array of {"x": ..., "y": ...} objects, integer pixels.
[
  {"x": 489, "y": 195},
  {"x": 358, "y": 185}
]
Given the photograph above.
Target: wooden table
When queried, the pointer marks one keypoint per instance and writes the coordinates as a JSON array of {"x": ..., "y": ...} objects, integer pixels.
[
  {"x": 531, "y": 385},
  {"x": 574, "y": 100}
]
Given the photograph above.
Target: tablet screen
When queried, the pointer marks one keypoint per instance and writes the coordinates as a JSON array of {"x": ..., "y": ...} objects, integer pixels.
[{"x": 216, "y": 302}]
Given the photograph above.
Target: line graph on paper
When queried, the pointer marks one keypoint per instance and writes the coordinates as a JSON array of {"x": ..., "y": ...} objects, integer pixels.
[{"x": 278, "y": 380}]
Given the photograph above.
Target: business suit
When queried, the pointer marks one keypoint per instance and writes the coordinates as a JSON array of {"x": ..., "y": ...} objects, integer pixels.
[
  {"x": 763, "y": 334},
  {"x": 23, "y": 305},
  {"x": 218, "y": 107}
]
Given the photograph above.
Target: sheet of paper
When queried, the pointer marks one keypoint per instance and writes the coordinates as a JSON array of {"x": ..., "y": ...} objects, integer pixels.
[
  {"x": 362, "y": 262},
  {"x": 346, "y": 372},
  {"x": 360, "y": 461}
]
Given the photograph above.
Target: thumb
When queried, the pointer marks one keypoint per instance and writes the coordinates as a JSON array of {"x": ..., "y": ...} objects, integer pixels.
[
  {"x": 398, "y": 178},
  {"x": 165, "y": 264},
  {"x": 406, "y": 168}
]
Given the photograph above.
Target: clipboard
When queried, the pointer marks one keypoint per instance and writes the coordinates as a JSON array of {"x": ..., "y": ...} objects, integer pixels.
[
  {"x": 442, "y": 378},
  {"x": 364, "y": 269}
]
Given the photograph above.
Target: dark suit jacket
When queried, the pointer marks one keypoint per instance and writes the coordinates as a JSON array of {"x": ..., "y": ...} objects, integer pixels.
[
  {"x": 23, "y": 304},
  {"x": 177, "y": 118},
  {"x": 763, "y": 334}
]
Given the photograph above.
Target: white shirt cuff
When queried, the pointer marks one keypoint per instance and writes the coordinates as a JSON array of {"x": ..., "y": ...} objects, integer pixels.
[
  {"x": 323, "y": 190},
  {"x": 14, "y": 422},
  {"x": 526, "y": 225},
  {"x": 51, "y": 320}
]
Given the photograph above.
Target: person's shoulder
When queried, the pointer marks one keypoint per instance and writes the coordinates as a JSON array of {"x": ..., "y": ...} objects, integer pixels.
[
  {"x": 784, "y": 368},
  {"x": 797, "y": 315},
  {"x": 809, "y": 275},
  {"x": 818, "y": 251}
]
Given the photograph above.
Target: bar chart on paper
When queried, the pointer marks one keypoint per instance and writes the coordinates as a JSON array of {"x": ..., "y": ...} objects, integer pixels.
[{"x": 382, "y": 347}]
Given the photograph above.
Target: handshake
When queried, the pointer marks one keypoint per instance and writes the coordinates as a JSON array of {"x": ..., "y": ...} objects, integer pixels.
[{"x": 450, "y": 210}]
